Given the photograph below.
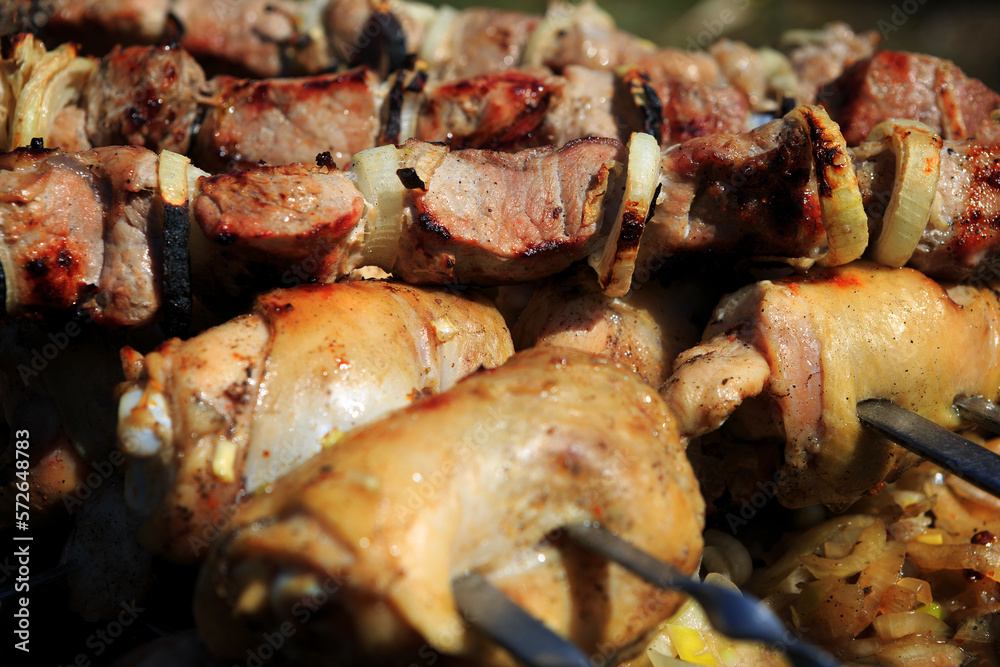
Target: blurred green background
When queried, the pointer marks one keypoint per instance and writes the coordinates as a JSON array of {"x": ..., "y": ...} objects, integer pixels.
[{"x": 965, "y": 31}]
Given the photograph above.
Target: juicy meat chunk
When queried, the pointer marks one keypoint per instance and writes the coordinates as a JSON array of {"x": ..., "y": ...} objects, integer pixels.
[
  {"x": 281, "y": 121},
  {"x": 817, "y": 345},
  {"x": 893, "y": 84},
  {"x": 483, "y": 40},
  {"x": 491, "y": 217},
  {"x": 249, "y": 35},
  {"x": 752, "y": 194},
  {"x": 584, "y": 107},
  {"x": 697, "y": 100},
  {"x": 497, "y": 111},
  {"x": 819, "y": 57},
  {"x": 471, "y": 479},
  {"x": 285, "y": 213},
  {"x": 82, "y": 231},
  {"x": 108, "y": 21},
  {"x": 144, "y": 96},
  {"x": 222, "y": 414}
]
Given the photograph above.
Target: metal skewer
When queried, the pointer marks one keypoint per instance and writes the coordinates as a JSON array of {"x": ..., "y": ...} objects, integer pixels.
[
  {"x": 963, "y": 458},
  {"x": 502, "y": 620},
  {"x": 979, "y": 410},
  {"x": 735, "y": 615}
]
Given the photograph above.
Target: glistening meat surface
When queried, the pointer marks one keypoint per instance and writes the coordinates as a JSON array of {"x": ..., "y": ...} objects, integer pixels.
[
  {"x": 472, "y": 479},
  {"x": 800, "y": 353},
  {"x": 228, "y": 411}
]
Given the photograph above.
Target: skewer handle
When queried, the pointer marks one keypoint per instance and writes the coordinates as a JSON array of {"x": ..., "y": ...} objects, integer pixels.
[{"x": 979, "y": 410}]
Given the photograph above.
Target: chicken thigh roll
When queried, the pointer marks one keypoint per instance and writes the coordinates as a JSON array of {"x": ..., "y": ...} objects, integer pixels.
[
  {"x": 230, "y": 410},
  {"x": 806, "y": 350},
  {"x": 356, "y": 550}
]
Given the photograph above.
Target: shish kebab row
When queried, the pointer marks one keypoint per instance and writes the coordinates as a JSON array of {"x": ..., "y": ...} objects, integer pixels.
[
  {"x": 158, "y": 97},
  {"x": 106, "y": 230}
]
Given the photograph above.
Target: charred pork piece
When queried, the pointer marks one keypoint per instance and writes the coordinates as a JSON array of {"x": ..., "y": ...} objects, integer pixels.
[
  {"x": 281, "y": 121},
  {"x": 82, "y": 232},
  {"x": 643, "y": 331},
  {"x": 430, "y": 215},
  {"x": 369, "y": 535},
  {"x": 144, "y": 96},
  {"x": 206, "y": 420},
  {"x": 795, "y": 356},
  {"x": 931, "y": 90}
]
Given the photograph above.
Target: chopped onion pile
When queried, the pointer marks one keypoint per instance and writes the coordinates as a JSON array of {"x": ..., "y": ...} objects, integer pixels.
[
  {"x": 840, "y": 200},
  {"x": 918, "y": 166},
  {"x": 616, "y": 262},
  {"x": 885, "y": 585}
]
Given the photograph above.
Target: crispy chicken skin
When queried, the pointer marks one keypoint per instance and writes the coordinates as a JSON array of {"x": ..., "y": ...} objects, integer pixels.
[
  {"x": 800, "y": 353},
  {"x": 230, "y": 410},
  {"x": 356, "y": 550}
]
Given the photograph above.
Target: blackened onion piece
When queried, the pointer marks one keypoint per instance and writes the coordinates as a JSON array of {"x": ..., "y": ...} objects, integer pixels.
[
  {"x": 385, "y": 52},
  {"x": 176, "y": 271}
]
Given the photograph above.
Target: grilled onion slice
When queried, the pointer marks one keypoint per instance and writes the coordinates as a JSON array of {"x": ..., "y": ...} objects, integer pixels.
[
  {"x": 918, "y": 166},
  {"x": 616, "y": 262},
  {"x": 375, "y": 172},
  {"x": 840, "y": 201}
]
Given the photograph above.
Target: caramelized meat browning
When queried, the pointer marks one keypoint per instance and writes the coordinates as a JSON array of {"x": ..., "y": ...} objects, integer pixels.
[
  {"x": 893, "y": 84},
  {"x": 472, "y": 479},
  {"x": 81, "y": 231},
  {"x": 813, "y": 347},
  {"x": 281, "y": 121},
  {"x": 488, "y": 217},
  {"x": 144, "y": 96}
]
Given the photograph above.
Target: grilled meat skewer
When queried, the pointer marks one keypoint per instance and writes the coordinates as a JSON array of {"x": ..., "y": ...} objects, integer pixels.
[
  {"x": 788, "y": 361},
  {"x": 206, "y": 420},
  {"x": 472, "y": 479},
  {"x": 769, "y": 193}
]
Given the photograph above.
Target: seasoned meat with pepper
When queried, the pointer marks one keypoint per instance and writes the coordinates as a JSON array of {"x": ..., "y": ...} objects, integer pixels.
[
  {"x": 228, "y": 411},
  {"x": 788, "y": 361},
  {"x": 281, "y": 121},
  {"x": 476, "y": 478},
  {"x": 894, "y": 84},
  {"x": 144, "y": 96},
  {"x": 81, "y": 231}
]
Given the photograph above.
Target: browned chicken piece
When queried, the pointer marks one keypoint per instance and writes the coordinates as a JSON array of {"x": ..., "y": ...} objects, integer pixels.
[
  {"x": 144, "y": 96},
  {"x": 357, "y": 550},
  {"x": 643, "y": 331},
  {"x": 788, "y": 361},
  {"x": 81, "y": 231},
  {"x": 206, "y": 420},
  {"x": 281, "y": 121},
  {"x": 894, "y": 84}
]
